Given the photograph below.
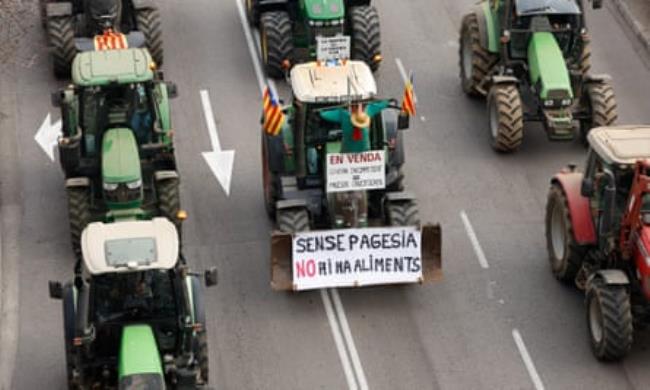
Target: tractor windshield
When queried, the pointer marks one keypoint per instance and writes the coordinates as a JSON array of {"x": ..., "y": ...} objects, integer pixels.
[
  {"x": 135, "y": 296},
  {"x": 547, "y": 7}
]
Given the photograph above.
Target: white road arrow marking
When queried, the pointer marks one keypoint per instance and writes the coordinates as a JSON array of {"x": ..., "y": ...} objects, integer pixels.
[
  {"x": 47, "y": 136},
  {"x": 219, "y": 161}
]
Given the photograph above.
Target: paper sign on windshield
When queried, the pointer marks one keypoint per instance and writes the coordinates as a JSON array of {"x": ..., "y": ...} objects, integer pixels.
[
  {"x": 356, "y": 257},
  {"x": 356, "y": 171}
]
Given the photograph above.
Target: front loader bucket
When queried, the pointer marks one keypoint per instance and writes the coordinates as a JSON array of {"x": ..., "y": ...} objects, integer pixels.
[{"x": 282, "y": 264}]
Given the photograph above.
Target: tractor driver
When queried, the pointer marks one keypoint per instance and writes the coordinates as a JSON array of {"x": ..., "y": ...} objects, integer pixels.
[{"x": 140, "y": 115}]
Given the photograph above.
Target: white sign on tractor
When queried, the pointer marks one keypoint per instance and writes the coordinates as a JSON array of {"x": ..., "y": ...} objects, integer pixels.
[
  {"x": 357, "y": 257},
  {"x": 356, "y": 171},
  {"x": 332, "y": 48}
]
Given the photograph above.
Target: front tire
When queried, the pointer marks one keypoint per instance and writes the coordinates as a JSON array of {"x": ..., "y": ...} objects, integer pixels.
[
  {"x": 78, "y": 215},
  {"x": 506, "y": 118},
  {"x": 403, "y": 213},
  {"x": 277, "y": 42},
  {"x": 148, "y": 20},
  {"x": 601, "y": 103},
  {"x": 293, "y": 220},
  {"x": 365, "y": 34},
  {"x": 169, "y": 200},
  {"x": 476, "y": 62},
  {"x": 60, "y": 31},
  {"x": 609, "y": 320},
  {"x": 564, "y": 253}
]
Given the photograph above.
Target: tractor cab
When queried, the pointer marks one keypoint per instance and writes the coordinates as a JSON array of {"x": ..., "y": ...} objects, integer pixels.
[{"x": 134, "y": 313}]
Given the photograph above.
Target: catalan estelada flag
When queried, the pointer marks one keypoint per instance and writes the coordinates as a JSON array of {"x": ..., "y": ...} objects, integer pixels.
[
  {"x": 110, "y": 40},
  {"x": 408, "y": 102},
  {"x": 273, "y": 115}
]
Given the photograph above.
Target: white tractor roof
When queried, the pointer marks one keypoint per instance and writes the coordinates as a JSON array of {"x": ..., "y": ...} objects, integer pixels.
[
  {"x": 621, "y": 144},
  {"x": 314, "y": 83},
  {"x": 129, "y": 246}
]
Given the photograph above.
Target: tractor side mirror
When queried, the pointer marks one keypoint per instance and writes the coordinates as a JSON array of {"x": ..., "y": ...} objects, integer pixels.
[
  {"x": 211, "y": 277},
  {"x": 587, "y": 188},
  {"x": 403, "y": 121},
  {"x": 56, "y": 98},
  {"x": 56, "y": 289},
  {"x": 172, "y": 89},
  {"x": 597, "y": 4}
]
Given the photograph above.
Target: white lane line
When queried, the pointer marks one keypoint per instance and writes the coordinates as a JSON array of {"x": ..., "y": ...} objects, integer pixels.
[
  {"x": 347, "y": 334},
  {"x": 338, "y": 340},
  {"x": 209, "y": 120},
  {"x": 335, "y": 313},
  {"x": 475, "y": 244},
  {"x": 261, "y": 80},
  {"x": 528, "y": 361}
]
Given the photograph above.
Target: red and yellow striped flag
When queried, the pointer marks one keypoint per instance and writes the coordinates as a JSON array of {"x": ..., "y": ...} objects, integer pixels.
[
  {"x": 408, "y": 102},
  {"x": 110, "y": 41},
  {"x": 273, "y": 115}
]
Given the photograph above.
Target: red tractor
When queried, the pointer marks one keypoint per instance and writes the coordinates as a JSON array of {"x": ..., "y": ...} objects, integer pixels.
[{"x": 598, "y": 235}]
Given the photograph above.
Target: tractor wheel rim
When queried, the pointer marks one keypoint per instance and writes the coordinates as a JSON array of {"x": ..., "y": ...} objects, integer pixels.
[
  {"x": 494, "y": 118},
  {"x": 558, "y": 232},
  {"x": 467, "y": 59},
  {"x": 595, "y": 319}
]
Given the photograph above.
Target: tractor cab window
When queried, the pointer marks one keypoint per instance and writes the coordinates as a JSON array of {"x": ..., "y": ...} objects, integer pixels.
[
  {"x": 546, "y": 7},
  {"x": 133, "y": 296}
]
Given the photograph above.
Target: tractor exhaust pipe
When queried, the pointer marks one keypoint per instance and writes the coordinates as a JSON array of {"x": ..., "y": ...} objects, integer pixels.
[{"x": 605, "y": 227}]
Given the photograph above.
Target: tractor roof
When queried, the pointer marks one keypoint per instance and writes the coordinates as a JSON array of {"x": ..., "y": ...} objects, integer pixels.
[
  {"x": 129, "y": 246},
  {"x": 621, "y": 144},
  {"x": 314, "y": 83},
  {"x": 100, "y": 68},
  {"x": 546, "y": 7}
]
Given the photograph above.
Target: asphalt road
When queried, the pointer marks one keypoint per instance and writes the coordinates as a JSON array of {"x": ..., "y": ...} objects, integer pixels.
[{"x": 498, "y": 321}]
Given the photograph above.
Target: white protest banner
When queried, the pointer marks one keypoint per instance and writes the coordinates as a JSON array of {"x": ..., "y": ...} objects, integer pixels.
[
  {"x": 356, "y": 257},
  {"x": 356, "y": 171},
  {"x": 333, "y": 48}
]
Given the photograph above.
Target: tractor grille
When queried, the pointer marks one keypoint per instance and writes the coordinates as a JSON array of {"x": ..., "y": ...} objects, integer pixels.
[
  {"x": 326, "y": 31},
  {"x": 122, "y": 194}
]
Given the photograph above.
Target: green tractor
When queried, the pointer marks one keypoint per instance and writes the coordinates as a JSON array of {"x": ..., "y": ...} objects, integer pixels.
[
  {"x": 290, "y": 30},
  {"x": 531, "y": 58},
  {"x": 77, "y": 25},
  {"x": 336, "y": 116},
  {"x": 116, "y": 147},
  {"x": 133, "y": 315}
]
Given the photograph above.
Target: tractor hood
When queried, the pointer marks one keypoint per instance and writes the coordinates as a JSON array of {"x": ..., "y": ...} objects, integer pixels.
[
  {"x": 120, "y": 157},
  {"x": 548, "y": 69},
  {"x": 139, "y": 360},
  {"x": 323, "y": 9},
  {"x": 547, "y": 7}
]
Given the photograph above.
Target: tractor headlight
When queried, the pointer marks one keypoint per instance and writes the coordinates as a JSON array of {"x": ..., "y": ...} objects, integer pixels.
[
  {"x": 110, "y": 186},
  {"x": 549, "y": 103},
  {"x": 134, "y": 184},
  {"x": 566, "y": 102}
]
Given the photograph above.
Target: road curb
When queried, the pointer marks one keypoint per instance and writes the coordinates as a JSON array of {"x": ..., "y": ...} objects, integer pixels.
[{"x": 633, "y": 22}]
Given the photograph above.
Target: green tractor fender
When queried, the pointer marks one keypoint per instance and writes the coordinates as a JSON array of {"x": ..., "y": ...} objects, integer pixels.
[
  {"x": 548, "y": 68},
  {"x": 488, "y": 27},
  {"x": 161, "y": 96},
  {"x": 139, "y": 364}
]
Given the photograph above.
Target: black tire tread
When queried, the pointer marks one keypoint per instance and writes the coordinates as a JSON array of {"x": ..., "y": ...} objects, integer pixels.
[
  {"x": 169, "y": 199},
  {"x": 60, "y": 31},
  {"x": 149, "y": 23},
  {"x": 510, "y": 117},
  {"x": 618, "y": 329},
  {"x": 604, "y": 110},
  {"x": 574, "y": 253},
  {"x": 78, "y": 215},
  {"x": 483, "y": 61},
  {"x": 275, "y": 27},
  {"x": 403, "y": 213},
  {"x": 293, "y": 220},
  {"x": 365, "y": 31}
]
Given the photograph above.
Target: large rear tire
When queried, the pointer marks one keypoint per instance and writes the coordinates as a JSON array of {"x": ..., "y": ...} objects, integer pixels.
[
  {"x": 365, "y": 32},
  {"x": 293, "y": 220},
  {"x": 202, "y": 355},
  {"x": 79, "y": 215},
  {"x": 60, "y": 31},
  {"x": 148, "y": 20},
  {"x": 476, "y": 62},
  {"x": 609, "y": 320},
  {"x": 169, "y": 200},
  {"x": 601, "y": 102},
  {"x": 276, "y": 40},
  {"x": 564, "y": 253},
  {"x": 506, "y": 118},
  {"x": 403, "y": 213}
]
